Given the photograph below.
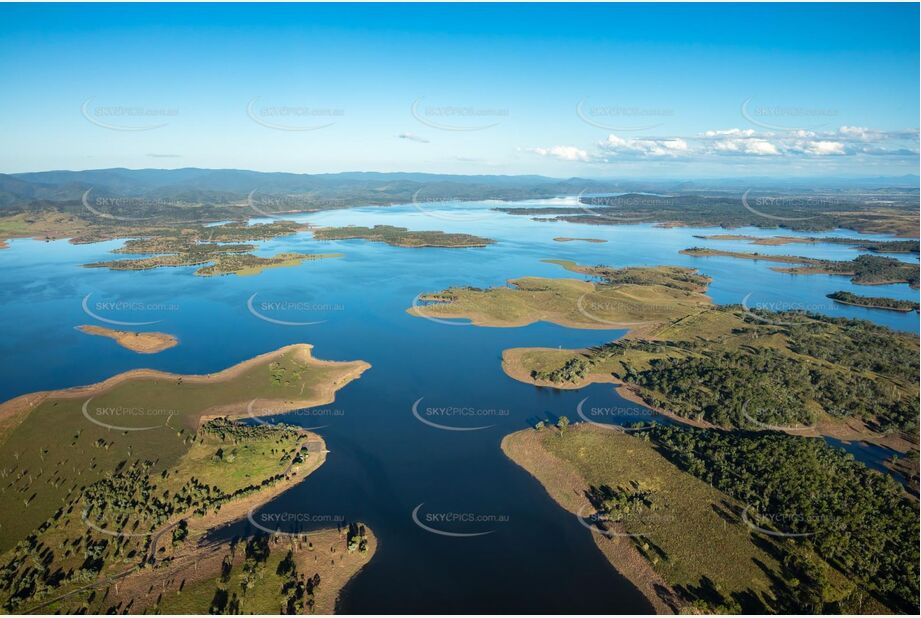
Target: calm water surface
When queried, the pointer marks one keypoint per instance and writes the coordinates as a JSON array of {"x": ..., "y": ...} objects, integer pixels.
[{"x": 384, "y": 463}]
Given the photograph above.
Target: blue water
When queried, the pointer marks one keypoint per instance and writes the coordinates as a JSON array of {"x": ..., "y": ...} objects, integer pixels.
[{"x": 384, "y": 462}]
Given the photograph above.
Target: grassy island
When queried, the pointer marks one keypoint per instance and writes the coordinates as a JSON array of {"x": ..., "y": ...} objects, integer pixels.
[
  {"x": 217, "y": 249},
  {"x": 622, "y": 301},
  {"x": 704, "y": 364},
  {"x": 401, "y": 236},
  {"x": 863, "y": 270},
  {"x": 121, "y": 481},
  {"x": 874, "y": 302},
  {"x": 876, "y": 246},
  {"x": 569, "y": 239},
  {"x": 694, "y": 518},
  {"x": 142, "y": 343}
]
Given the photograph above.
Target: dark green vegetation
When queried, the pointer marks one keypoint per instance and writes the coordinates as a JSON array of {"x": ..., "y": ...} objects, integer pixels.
[
  {"x": 401, "y": 237},
  {"x": 874, "y": 302},
  {"x": 857, "y": 520},
  {"x": 111, "y": 525},
  {"x": 861, "y": 212},
  {"x": 708, "y": 525},
  {"x": 726, "y": 365},
  {"x": 677, "y": 277},
  {"x": 220, "y": 249},
  {"x": 776, "y": 369},
  {"x": 876, "y": 246},
  {"x": 864, "y": 269}
]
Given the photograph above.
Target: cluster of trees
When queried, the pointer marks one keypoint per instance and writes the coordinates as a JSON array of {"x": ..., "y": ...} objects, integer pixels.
[
  {"x": 873, "y": 269},
  {"x": 877, "y": 302},
  {"x": 574, "y": 370},
  {"x": 744, "y": 388},
  {"x": 357, "y": 538},
  {"x": 129, "y": 500},
  {"x": 858, "y": 520},
  {"x": 619, "y": 503}
]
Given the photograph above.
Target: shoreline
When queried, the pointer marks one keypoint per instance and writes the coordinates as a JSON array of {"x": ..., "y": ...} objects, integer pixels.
[
  {"x": 25, "y": 403},
  {"x": 567, "y": 488},
  {"x": 847, "y": 430},
  {"x": 137, "y": 341}
]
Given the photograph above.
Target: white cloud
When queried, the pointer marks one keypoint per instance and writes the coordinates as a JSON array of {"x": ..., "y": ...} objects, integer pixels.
[
  {"x": 565, "y": 153},
  {"x": 668, "y": 147},
  {"x": 823, "y": 148},
  {"x": 730, "y": 133}
]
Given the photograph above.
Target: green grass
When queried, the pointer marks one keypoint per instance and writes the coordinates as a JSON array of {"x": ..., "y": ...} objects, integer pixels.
[{"x": 55, "y": 450}]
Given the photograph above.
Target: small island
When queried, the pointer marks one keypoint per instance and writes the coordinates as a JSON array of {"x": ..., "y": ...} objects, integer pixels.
[
  {"x": 111, "y": 447},
  {"x": 625, "y": 298},
  {"x": 876, "y": 246},
  {"x": 401, "y": 236},
  {"x": 863, "y": 270},
  {"x": 218, "y": 249},
  {"x": 874, "y": 302},
  {"x": 140, "y": 342},
  {"x": 569, "y": 239}
]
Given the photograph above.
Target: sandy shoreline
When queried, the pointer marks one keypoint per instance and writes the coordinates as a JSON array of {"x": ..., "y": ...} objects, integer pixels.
[
  {"x": 24, "y": 403},
  {"x": 140, "y": 342},
  {"x": 568, "y": 489}
]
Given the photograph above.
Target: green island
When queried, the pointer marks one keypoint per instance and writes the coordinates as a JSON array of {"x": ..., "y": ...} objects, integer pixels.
[
  {"x": 111, "y": 490},
  {"x": 722, "y": 522},
  {"x": 217, "y": 249},
  {"x": 863, "y": 270},
  {"x": 876, "y": 246},
  {"x": 873, "y": 302},
  {"x": 401, "y": 236},
  {"x": 570, "y": 239},
  {"x": 140, "y": 342},
  {"x": 704, "y": 364}
]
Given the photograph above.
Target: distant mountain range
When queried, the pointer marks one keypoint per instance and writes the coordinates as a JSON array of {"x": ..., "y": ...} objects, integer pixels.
[{"x": 215, "y": 188}]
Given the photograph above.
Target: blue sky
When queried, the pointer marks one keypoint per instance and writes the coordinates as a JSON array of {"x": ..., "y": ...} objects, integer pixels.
[{"x": 591, "y": 90}]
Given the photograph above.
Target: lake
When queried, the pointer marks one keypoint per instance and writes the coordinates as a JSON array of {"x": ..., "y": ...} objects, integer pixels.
[{"x": 509, "y": 547}]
